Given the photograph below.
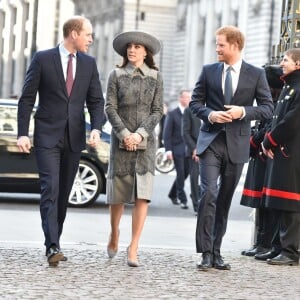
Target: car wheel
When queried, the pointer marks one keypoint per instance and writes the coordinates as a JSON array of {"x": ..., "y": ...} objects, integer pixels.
[
  {"x": 162, "y": 164},
  {"x": 87, "y": 185}
]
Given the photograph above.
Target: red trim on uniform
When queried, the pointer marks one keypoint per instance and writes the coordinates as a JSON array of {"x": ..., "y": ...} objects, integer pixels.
[
  {"x": 252, "y": 143},
  {"x": 251, "y": 193},
  {"x": 281, "y": 194},
  {"x": 271, "y": 139}
]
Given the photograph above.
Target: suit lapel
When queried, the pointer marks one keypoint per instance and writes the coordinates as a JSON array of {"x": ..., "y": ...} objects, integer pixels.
[
  {"x": 242, "y": 78},
  {"x": 59, "y": 71},
  {"x": 78, "y": 68},
  {"x": 218, "y": 79}
]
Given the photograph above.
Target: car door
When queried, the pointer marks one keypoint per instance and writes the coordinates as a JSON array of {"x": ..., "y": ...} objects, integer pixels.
[{"x": 16, "y": 167}]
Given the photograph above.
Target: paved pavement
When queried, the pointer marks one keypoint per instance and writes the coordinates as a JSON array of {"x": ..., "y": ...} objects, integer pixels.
[
  {"x": 166, "y": 255},
  {"x": 163, "y": 274}
]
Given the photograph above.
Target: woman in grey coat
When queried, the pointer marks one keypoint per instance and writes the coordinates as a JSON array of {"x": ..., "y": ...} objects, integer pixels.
[{"x": 134, "y": 106}]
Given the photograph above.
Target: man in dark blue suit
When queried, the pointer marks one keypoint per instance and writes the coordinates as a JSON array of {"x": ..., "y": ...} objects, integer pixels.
[
  {"x": 175, "y": 148},
  {"x": 223, "y": 98},
  {"x": 190, "y": 131},
  {"x": 66, "y": 79}
]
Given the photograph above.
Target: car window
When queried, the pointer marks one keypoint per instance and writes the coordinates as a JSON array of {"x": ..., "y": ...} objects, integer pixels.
[{"x": 8, "y": 120}]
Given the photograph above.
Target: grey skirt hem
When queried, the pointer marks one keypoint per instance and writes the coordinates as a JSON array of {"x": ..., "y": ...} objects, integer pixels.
[{"x": 126, "y": 189}]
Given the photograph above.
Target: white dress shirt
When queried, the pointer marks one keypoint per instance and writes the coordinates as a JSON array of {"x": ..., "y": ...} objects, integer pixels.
[
  {"x": 64, "y": 56},
  {"x": 235, "y": 74}
]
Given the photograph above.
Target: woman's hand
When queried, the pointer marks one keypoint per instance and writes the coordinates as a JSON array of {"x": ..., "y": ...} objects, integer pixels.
[{"x": 131, "y": 141}]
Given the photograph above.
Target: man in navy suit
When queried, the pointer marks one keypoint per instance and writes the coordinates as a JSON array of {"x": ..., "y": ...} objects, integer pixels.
[
  {"x": 223, "y": 142},
  {"x": 190, "y": 131},
  {"x": 59, "y": 134},
  {"x": 175, "y": 148}
]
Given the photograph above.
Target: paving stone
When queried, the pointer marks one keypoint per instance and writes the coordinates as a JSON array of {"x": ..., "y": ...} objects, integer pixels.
[{"x": 163, "y": 274}]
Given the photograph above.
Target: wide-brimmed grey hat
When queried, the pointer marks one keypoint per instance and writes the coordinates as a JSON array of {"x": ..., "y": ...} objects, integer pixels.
[{"x": 121, "y": 41}]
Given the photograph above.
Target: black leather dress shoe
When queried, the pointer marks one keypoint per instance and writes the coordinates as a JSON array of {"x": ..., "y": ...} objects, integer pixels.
[
  {"x": 184, "y": 206},
  {"x": 282, "y": 260},
  {"x": 255, "y": 250},
  {"x": 174, "y": 201},
  {"x": 206, "y": 262},
  {"x": 267, "y": 255},
  {"x": 244, "y": 252},
  {"x": 64, "y": 258},
  {"x": 54, "y": 256},
  {"x": 220, "y": 264}
]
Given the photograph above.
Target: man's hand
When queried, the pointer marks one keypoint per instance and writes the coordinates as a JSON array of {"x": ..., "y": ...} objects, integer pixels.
[
  {"x": 94, "y": 139},
  {"x": 220, "y": 117},
  {"x": 269, "y": 153},
  {"x": 235, "y": 111},
  {"x": 169, "y": 155},
  {"x": 24, "y": 144},
  {"x": 195, "y": 157}
]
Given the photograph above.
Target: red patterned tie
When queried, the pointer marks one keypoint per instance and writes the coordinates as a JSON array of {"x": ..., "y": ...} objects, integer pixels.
[{"x": 69, "y": 78}]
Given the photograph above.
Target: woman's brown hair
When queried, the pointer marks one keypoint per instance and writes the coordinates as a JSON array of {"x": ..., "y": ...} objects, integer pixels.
[{"x": 149, "y": 60}]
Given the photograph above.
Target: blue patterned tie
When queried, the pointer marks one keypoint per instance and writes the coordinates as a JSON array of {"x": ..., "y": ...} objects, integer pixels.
[{"x": 228, "y": 86}]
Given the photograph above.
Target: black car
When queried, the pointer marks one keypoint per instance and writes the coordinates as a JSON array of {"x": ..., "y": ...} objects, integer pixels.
[{"x": 18, "y": 171}]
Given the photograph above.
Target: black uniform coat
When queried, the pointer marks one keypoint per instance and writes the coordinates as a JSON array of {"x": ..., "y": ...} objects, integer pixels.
[
  {"x": 254, "y": 182},
  {"x": 282, "y": 187}
]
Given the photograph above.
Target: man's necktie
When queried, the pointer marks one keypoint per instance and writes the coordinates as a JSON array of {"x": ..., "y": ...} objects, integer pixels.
[
  {"x": 228, "y": 86},
  {"x": 69, "y": 78}
]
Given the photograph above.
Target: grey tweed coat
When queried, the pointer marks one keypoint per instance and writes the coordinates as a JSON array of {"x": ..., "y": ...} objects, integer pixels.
[{"x": 134, "y": 103}]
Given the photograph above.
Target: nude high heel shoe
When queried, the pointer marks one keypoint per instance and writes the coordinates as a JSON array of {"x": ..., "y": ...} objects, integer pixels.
[
  {"x": 112, "y": 252},
  {"x": 131, "y": 263}
]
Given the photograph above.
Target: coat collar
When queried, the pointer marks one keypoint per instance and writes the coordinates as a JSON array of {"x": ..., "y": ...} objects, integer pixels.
[
  {"x": 292, "y": 78},
  {"x": 131, "y": 69}
]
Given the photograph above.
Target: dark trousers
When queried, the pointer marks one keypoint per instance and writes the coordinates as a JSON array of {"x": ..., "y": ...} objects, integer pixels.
[
  {"x": 182, "y": 171},
  {"x": 267, "y": 228},
  {"x": 57, "y": 169},
  {"x": 287, "y": 237},
  {"x": 194, "y": 182},
  {"x": 289, "y": 232},
  {"x": 219, "y": 178}
]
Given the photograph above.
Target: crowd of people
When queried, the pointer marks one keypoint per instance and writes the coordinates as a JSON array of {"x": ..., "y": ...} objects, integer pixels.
[{"x": 208, "y": 136}]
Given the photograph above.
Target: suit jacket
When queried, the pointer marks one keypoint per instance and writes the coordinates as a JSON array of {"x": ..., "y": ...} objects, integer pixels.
[
  {"x": 208, "y": 96},
  {"x": 173, "y": 140},
  {"x": 190, "y": 130},
  {"x": 55, "y": 109}
]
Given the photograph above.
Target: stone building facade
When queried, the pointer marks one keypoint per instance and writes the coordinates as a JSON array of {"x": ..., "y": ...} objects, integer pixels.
[
  {"x": 115, "y": 16},
  {"x": 25, "y": 27},
  {"x": 185, "y": 28}
]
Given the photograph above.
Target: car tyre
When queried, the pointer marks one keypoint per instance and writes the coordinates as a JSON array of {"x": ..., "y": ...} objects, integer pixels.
[
  {"x": 162, "y": 164},
  {"x": 87, "y": 186}
]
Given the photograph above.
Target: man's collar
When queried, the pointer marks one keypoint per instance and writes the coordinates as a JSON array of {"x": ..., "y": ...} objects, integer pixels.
[
  {"x": 181, "y": 108},
  {"x": 236, "y": 67},
  {"x": 64, "y": 51}
]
